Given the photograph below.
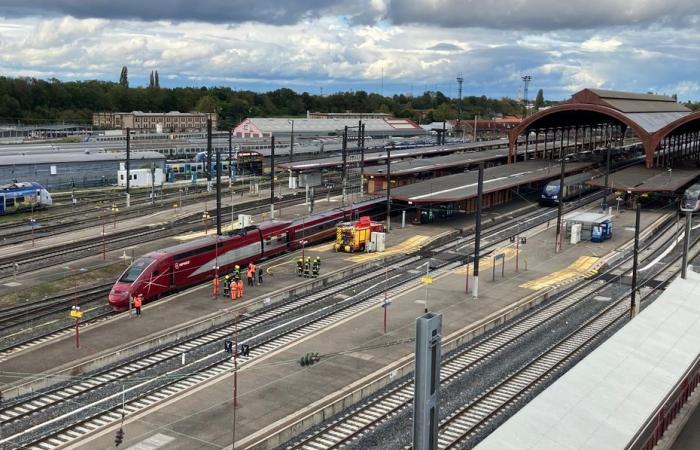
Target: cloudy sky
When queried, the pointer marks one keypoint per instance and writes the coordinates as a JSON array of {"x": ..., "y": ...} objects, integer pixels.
[{"x": 334, "y": 45}]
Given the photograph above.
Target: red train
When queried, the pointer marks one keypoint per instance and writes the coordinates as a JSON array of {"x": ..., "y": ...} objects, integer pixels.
[{"x": 164, "y": 271}]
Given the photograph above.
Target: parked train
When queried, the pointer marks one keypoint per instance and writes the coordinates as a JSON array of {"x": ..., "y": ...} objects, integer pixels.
[
  {"x": 164, "y": 271},
  {"x": 691, "y": 199},
  {"x": 23, "y": 196},
  {"x": 574, "y": 185}
]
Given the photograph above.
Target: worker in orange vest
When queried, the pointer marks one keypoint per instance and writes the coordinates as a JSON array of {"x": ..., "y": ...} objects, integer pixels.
[
  {"x": 138, "y": 301},
  {"x": 216, "y": 285},
  {"x": 234, "y": 289},
  {"x": 239, "y": 288},
  {"x": 250, "y": 274}
]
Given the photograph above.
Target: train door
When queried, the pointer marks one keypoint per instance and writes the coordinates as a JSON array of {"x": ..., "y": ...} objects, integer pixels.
[{"x": 2, "y": 204}]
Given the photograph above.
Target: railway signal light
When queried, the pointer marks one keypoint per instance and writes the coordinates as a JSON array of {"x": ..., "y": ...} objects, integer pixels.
[
  {"x": 119, "y": 437},
  {"x": 309, "y": 359}
]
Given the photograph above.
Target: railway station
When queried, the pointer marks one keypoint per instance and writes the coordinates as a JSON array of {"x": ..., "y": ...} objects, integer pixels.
[
  {"x": 443, "y": 197},
  {"x": 121, "y": 325}
]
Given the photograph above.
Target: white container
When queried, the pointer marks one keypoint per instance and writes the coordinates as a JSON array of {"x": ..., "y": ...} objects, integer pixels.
[
  {"x": 576, "y": 233},
  {"x": 378, "y": 241},
  {"x": 244, "y": 220}
]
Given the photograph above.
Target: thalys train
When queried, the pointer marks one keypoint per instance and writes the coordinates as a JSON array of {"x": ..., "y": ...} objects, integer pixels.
[
  {"x": 23, "y": 196},
  {"x": 168, "y": 270},
  {"x": 691, "y": 199}
]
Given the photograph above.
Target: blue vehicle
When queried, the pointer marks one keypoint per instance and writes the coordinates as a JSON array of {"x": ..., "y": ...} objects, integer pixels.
[
  {"x": 574, "y": 186},
  {"x": 22, "y": 197}
]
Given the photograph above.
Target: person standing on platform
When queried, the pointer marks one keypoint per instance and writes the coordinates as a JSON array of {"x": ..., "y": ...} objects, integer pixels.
[
  {"x": 315, "y": 268},
  {"x": 216, "y": 285},
  {"x": 227, "y": 285},
  {"x": 236, "y": 271},
  {"x": 234, "y": 289},
  {"x": 250, "y": 274},
  {"x": 300, "y": 267},
  {"x": 138, "y": 301},
  {"x": 260, "y": 276},
  {"x": 239, "y": 288},
  {"x": 307, "y": 267}
]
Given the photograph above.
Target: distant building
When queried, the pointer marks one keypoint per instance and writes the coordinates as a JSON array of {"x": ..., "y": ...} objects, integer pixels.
[
  {"x": 488, "y": 129},
  {"x": 311, "y": 128},
  {"x": 65, "y": 170},
  {"x": 163, "y": 122},
  {"x": 346, "y": 115}
]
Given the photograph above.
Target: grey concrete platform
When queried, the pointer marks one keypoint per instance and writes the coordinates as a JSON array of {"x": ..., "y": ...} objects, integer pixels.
[{"x": 277, "y": 386}]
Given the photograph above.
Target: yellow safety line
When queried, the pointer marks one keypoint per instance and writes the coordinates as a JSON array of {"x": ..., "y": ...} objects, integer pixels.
[
  {"x": 411, "y": 244},
  {"x": 584, "y": 266}
]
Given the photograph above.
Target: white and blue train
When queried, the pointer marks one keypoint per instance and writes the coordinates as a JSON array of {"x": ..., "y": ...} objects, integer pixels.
[
  {"x": 574, "y": 186},
  {"x": 23, "y": 196}
]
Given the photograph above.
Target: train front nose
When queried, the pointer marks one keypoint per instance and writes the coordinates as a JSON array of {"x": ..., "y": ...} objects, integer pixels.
[
  {"x": 46, "y": 198},
  {"x": 119, "y": 297}
]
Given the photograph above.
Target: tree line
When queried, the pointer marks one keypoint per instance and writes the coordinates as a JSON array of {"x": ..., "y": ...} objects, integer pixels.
[{"x": 31, "y": 100}]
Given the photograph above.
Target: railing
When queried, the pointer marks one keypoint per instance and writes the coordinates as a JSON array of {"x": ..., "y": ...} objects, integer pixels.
[{"x": 658, "y": 422}]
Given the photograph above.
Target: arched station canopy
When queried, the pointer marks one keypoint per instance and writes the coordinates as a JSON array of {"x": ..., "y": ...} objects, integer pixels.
[{"x": 603, "y": 118}]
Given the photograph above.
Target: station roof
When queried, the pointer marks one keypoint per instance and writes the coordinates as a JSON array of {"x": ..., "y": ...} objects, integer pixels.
[
  {"x": 277, "y": 125},
  {"x": 463, "y": 186},
  {"x": 316, "y": 164},
  {"x": 641, "y": 179},
  {"x": 609, "y": 396},
  {"x": 75, "y": 158},
  {"x": 413, "y": 166}
]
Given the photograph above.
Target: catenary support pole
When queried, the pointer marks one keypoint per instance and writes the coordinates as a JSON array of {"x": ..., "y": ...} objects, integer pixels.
[
  {"x": 218, "y": 192},
  {"x": 128, "y": 166},
  {"x": 635, "y": 262},
  {"x": 686, "y": 243},
  {"x": 477, "y": 229},
  {"x": 272, "y": 177},
  {"x": 560, "y": 206},
  {"x": 388, "y": 188},
  {"x": 209, "y": 150},
  {"x": 427, "y": 382}
]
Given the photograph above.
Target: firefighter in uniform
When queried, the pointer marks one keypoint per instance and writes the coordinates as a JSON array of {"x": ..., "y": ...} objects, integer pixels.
[
  {"x": 237, "y": 271},
  {"x": 300, "y": 266},
  {"x": 315, "y": 266},
  {"x": 227, "y": 285},
  {"x": 307, "y": 267}
]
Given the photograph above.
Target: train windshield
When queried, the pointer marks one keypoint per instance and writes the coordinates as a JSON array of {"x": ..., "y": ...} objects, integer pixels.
[
  {"x": 133, "y": 272},
  {"x": 691, "y": 194},
  {"x": 552, "y": 188}
]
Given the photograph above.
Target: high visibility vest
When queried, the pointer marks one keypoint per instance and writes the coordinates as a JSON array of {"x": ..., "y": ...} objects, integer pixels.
[{"x": 138, "y": 301}]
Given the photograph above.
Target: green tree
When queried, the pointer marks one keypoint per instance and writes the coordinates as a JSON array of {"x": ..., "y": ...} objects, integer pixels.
[
  {"x": 124, "y": 77},
  {"x": 207, "y": 104},
  {"x": 539, "y": 100},
  {"x": 157, "y": 80},
  {"x": 151, "y": 81}
]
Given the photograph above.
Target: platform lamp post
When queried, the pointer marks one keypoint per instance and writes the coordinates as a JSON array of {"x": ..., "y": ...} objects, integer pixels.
[
  {"x": 272, "y": 177},
  {"x": 32, "y": 221},
  {"x": 218, "y": 192},
  {"x": 115, "y": 210},
  {"x": 104, "y": 249},
  {"x": 205, "y": 219},
  {"x": 686, "y": 243},
  {"x": 388, "y": 187},
  {"x": 128, "y": 166},
  {"x": 633, "y": 295}
]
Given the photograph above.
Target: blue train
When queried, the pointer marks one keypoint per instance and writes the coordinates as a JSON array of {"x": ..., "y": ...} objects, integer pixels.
[
  {"x": 23, "y": 196},
  {"x": 574, "y": 186}
]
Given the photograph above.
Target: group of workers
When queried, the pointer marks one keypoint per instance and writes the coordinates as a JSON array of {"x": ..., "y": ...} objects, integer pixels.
[
  {"x": 309, "y": 268},
  {"x": 233, "y": 282}
]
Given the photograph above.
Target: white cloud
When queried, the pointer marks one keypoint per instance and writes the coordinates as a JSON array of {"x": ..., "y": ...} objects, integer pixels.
[{"x": 595, "y": 44}]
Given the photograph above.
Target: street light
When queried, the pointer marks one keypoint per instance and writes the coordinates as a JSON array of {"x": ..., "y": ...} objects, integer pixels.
[{"x": 205, "y": 218}]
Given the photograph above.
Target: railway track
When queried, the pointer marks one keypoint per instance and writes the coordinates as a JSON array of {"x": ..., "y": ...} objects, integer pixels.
[
  {"x": 41, "y": 419},
  {"x": 355, "y": 423}
]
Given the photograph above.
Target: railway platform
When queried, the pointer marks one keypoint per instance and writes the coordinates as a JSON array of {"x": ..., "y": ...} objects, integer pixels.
[{"x": 277, "y": 390}]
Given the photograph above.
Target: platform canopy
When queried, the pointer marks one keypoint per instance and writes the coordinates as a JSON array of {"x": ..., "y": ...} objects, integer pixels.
[{"x": 599, "y": 118}]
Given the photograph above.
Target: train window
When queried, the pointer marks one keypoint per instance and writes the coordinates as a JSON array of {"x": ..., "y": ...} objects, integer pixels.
[
  {"x": 9, "y": 202},
  {"x": 135, "y": 270},
  {"x": 156, "y": 273},
  {"x": 20, "y": 199}
]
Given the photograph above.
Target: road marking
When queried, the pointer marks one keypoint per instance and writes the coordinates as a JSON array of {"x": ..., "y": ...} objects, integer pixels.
[
  {"x": 583, "y": 267},
  {"x": 154, "y": 442}
]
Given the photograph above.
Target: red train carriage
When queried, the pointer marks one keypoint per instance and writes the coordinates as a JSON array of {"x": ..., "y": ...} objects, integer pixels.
[{"x": 173, "y": 268}]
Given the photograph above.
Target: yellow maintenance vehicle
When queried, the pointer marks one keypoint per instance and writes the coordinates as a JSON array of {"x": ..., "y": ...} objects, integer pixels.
[{"x": 355, "y": 236}]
